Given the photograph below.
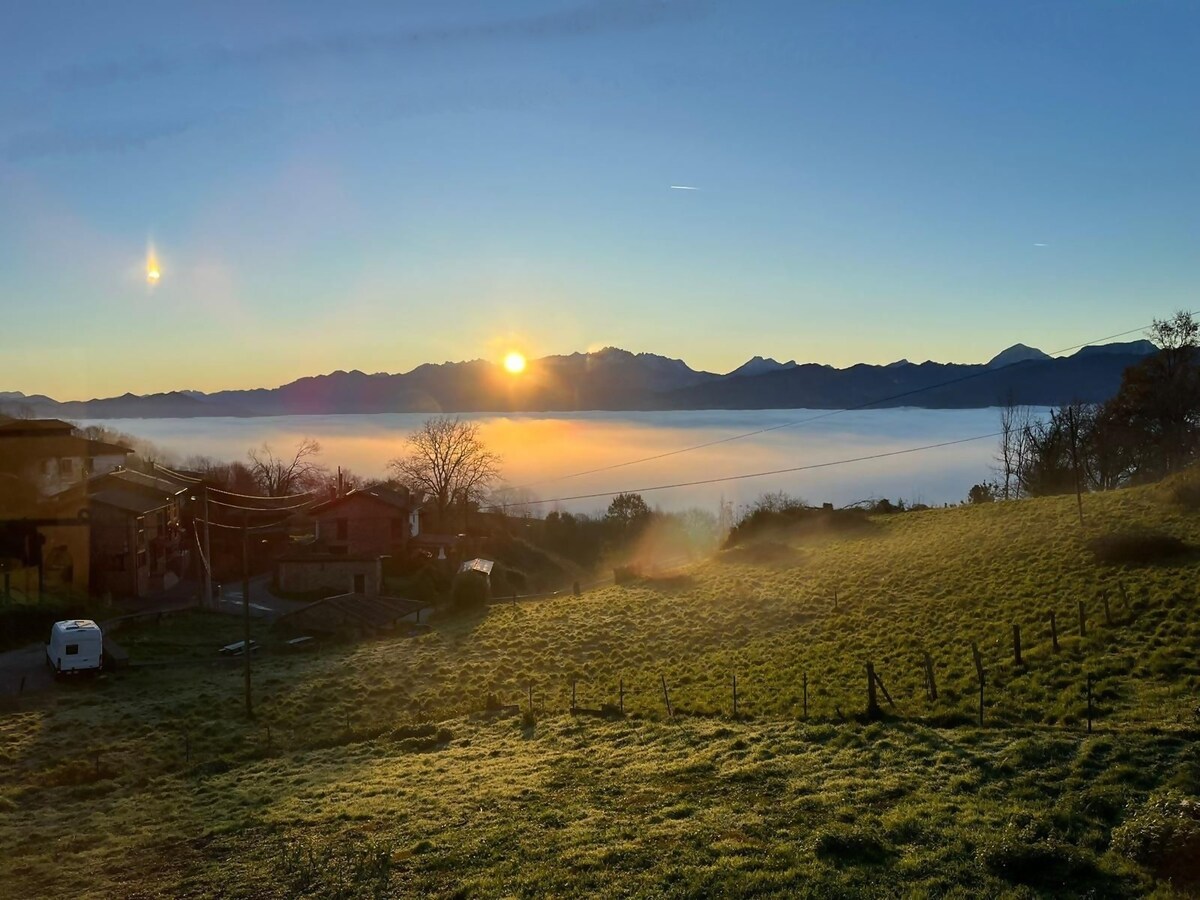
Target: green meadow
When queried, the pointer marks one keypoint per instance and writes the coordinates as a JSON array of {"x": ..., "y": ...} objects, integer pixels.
[{"x": 371, "y": 769}]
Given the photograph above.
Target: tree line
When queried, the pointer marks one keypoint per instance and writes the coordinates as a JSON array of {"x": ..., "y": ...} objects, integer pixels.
[{"x": 1149, "y": 429}]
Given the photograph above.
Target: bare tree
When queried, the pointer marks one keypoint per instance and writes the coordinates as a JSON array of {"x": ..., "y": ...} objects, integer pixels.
[
  {"x": 448, "y": 463},
  {"x": 1014, "y": 448},
  {"x": 278, "y": 476},
  {"x": 518, "y": 502}
]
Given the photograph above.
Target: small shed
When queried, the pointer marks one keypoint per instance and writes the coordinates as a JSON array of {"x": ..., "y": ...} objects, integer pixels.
[{"x": 480, "y": 566}]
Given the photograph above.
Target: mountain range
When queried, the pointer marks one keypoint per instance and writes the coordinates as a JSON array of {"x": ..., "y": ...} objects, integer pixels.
[{"x": 613, "y": 379}]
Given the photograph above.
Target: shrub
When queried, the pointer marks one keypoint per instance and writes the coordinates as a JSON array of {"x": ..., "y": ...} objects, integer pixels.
[
  {"x": 418, "y": 738},
  {"x": 470, "y": 591},
  {"x": 1020, "y": 856},
  {"x": 1164, "y": 836},
  {"x": 1136, "y": 548},
  {"x": 798, "y": 521},
  {"x": 1187, "y": 495},
  {"x": 982, "y": 493}
]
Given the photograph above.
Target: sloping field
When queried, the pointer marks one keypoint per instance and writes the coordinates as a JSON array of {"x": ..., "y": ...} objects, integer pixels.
[{"x": 152, "y": 783}]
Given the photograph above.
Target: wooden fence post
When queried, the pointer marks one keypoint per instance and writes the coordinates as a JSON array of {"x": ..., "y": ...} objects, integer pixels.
[
  {"x": 1053, "y": 631},
  {"x": 1082, "y": 620},
  {"x": 883, "y": 687},
  {"x": 531, "y": 699},
  {"x": 1089, "y": 702},
  {"x": 621, "y": 696},
  {"x": 835, "y": 600},
  {"x": 269, "y": 739},
  {"x": 1017, "y": 646},
  {"x": 804, "y": 682},
  {"x": 572, "y": 696},
  {"x": 872, "y": 700},
  {"x": 666, "y": 697},
  {"x": 187, "y": 747},
  {"x": 735, "y": 695},
  {"x": 930, "y": 683}
]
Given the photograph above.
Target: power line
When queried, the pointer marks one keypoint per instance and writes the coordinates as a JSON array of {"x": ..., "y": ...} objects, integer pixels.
[
  {"x": 261, "y": 497},
  {"x": 264, "y": 527},
  {"x": 211, "y": 490},
  {"x": 824, "y": 415},
  {"x": 790, "y": 469},
  {"x": 269, "y": 509},
  {"x": 216, "y": 490},
  {"x": 185, "y": 478}
]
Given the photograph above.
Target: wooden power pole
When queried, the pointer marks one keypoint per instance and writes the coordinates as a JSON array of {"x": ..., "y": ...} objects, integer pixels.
[{"x": 246, "y": 610}]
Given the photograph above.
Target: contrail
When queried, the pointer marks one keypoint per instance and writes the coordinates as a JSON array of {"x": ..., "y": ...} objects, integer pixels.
[{"x": 683, "y": 187}]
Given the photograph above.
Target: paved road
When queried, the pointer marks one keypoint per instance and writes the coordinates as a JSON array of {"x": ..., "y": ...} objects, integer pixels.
[{"x": 263, "y": 604}]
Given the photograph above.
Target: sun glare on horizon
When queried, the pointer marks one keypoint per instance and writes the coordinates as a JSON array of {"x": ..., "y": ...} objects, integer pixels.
[{"x": 514, "y": 363}]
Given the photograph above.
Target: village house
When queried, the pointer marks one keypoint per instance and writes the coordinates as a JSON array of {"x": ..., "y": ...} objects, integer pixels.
[
  {"x": 48, "y": 455},
  {"x": 316, "y": 572},
  {"x": 137, "y": 544},
  {"x": 376, "y": 521},
  {"x": 45, "y": 527},
  {"x": 353, "y": 534}
]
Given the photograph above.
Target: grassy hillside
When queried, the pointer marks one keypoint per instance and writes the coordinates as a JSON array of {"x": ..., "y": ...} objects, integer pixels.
[{"x": 99, "y": 793}]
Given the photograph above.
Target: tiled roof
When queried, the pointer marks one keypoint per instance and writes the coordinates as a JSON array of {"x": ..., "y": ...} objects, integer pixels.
[
  {"x": 396, "y": 499},
  {"x": 127, "y": 501}
]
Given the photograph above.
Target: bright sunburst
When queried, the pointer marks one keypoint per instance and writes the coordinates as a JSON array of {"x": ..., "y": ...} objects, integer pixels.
[
  {"x": 153, "y": 272},
  {"x": 514, "y": 362}
]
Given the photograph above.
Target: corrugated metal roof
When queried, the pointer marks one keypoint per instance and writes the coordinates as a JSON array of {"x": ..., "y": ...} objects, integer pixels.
[{"x": 483, "y": 566}]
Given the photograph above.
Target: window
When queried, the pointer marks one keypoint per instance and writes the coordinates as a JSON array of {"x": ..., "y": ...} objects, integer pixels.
[
  {"x": 343, "y": 529},
  {"x": 72, "y": 649},
  {"x": 66, "y": 467}
]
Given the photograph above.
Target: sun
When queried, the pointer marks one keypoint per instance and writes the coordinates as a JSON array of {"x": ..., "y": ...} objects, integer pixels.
[
  {"x": 514, "y": 363},
  {"x": 153, "y": 272}
]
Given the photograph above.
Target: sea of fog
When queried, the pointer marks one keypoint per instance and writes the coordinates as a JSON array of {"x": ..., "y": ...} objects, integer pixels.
[{"x": 545, "y": 451}]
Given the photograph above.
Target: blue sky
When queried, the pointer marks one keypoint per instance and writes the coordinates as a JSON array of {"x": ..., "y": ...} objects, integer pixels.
[{"x": 375, "y": 186}]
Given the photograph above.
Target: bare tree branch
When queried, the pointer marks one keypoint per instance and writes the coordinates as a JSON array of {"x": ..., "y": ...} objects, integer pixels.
[
  {"x": 447, "y": 462},
  {"x": 278, "y": 476}
]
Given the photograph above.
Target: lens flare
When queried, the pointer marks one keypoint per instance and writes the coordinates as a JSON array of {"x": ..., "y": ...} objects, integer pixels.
[
  {"x": 153, "y": 272},
  {"x": 514, "y": 363}
]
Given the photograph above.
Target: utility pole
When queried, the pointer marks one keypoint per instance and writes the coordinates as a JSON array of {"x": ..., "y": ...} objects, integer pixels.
[
  {"x": 208, "y": 597},
  {"x": 246, "y": 609}
]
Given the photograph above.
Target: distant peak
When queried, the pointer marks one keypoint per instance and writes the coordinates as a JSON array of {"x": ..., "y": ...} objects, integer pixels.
[
  {"x": 1128, "y": 348},
  {"x": 759, "y": 365},
  {"x": 1015, "y": 354}
]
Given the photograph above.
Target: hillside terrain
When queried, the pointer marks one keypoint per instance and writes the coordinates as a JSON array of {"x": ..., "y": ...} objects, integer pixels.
[
  {"x": 614, "y": 379},
  {"x": 372, "y": 770}
]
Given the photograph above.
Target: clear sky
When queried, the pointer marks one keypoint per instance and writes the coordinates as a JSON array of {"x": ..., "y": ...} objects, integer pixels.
[{"x": 372, "y": 186}]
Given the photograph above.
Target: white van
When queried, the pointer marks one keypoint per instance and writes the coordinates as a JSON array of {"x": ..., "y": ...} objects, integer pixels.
[{"x": 75, "y": 645}]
